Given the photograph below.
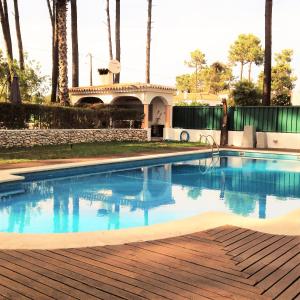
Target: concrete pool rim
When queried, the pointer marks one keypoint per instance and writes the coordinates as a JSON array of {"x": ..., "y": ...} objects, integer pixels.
[{"x": 286, "y": 225}]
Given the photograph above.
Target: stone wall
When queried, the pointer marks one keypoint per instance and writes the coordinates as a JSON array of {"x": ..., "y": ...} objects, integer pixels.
[{"x": 29, "y": 138}]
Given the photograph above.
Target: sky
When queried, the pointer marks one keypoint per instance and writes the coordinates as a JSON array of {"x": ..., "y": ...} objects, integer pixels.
[{"x": 179, "y": 27}]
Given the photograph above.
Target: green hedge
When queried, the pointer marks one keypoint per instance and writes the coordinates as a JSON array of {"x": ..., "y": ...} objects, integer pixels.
[{"x": 13, "y": 116}]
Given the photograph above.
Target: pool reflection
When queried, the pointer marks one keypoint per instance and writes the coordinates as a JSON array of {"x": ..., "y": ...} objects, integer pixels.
[{"x": 150, "y": 195}]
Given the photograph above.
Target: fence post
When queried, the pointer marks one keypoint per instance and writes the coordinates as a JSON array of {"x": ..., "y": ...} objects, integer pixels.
[{"x": 224, "y": 126}]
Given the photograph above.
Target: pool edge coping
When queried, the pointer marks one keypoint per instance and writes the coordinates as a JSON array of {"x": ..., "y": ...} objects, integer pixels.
[{"x": 190, "y": 225}]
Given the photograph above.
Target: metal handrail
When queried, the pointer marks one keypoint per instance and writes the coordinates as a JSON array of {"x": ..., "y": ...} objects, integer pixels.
[
  {"x": 208, "y": 142},
  {"x": 211, "y": 166}
]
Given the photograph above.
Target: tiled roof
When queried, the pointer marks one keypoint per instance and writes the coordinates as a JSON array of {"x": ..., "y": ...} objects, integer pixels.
[{"x": 122, "y": 88}]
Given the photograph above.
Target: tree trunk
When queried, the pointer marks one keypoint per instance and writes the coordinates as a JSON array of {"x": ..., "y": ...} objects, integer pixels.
[
  {"x": 75, "y": 54},
  {"x": 53, "y": 14},
  {"x": 8, "y": 35},
  {"x": 7, "y": 40},
  {"x": 118, "y": 34},
  {"x": 242, "y": 71},
  {"x": 19, "y": 35},
  {"x": 63, "y": 93},
  {"x": 54, "y": 64},
  {"x": 224, "y": 128},
  {"x": 148, "y": 47},
  {"x": 109, "y": 30},
  {"x": 268, "y": 54},
  {"x": 6, "y": 31},
  {"x": 250, "y": 71}
]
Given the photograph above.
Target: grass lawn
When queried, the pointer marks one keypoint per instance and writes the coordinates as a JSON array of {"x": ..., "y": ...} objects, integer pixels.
[{"x": 18, "y": 155}]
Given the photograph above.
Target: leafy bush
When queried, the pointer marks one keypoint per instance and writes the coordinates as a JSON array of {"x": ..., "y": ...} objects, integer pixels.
[
  {"x": 23, "y": 116},
  {"x": 282, "y": 100},
  {"x": 193, "y": 103},
  {"x": 245, "y": 93}
]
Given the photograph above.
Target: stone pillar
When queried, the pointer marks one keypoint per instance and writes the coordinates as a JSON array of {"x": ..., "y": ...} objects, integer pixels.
[
  {"x": 145, "y": 124},
  {"x": 168, "y": 116}
]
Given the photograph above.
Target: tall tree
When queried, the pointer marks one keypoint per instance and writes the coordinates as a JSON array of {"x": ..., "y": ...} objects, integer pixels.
[
  {"x": 268, "y": 54},
  {"x": 256, "y": 53},
  {"x": 109, "y": 30},
  {"x": 217, "y": 77},
  {"x": 148, "y": 46},
  {"x": 196, "y": 61},
  {"x": 283, "y": 78},
  {"x": 7, "y": 40},
  {"x": 246, "y": 50},
  {"x": 19, "y": 35},
  {"x": 53, "y": 18},
  {"x": 118, "y": 36},
  {"x": 75, "y": 54},
  {"x": 63, "y": 93},
  {"x": 6, "y": 30}
]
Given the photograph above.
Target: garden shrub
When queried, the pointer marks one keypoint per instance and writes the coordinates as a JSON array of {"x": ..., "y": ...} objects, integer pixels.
[
  {"x": 245, "y": 93},
  {"x": 14, "y": 116}
]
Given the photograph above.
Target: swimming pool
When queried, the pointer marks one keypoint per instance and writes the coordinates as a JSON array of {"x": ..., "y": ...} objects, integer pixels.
[{"x": 145, "y": 192}]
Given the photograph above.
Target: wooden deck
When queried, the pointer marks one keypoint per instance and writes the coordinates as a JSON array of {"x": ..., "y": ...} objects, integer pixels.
[{"x": 223, "y": 263}]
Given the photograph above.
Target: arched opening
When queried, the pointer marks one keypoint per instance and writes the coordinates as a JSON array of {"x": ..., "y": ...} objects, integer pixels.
[
  {"x": 133, "y": 108},
  {"x": 157, "y": 116},
  {"x": 128, "y": 102},
  {"x": 88, "y": 101}
]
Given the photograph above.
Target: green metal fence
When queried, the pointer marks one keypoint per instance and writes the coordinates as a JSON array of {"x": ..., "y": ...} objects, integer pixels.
[
  {"x": 264, "y": 119},
  {"x": 197, "y": 117}
]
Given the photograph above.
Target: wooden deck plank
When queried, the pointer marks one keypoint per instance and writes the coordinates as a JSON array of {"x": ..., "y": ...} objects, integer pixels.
[
  {"x": 222, "y": 263},
  {"x": 197, "y": 250},
  {"x": 152, "y": 248},
  {"x": 193, "y": 267},
  {"x": 117, "y": 276},
  {"x": 279, "y": 273},
  {"x": 235, "y": 239},
  {"x": 22, "y": 289},
  {"x": 256, "y": 249},
  {"x": 291, "y": 292},
  {"x": 224, "y": 232},
  {"x": 265, "y": 256},
  {"x": 40, "y": 277},
  {"x": 275, "y": 265},
  {"x": 283, "y": 284},
  {"x": 107, "y": 281},
  {"x": 15, "y": 273},
  {"x": 7, "y": 293},
  {"x": 169, "y": 281},
  {"x": 77, "y": 289},
  {"x": 259, "y": 238},
  {"x": 172, "y": 265},
  {"x": 231, "y": 235},
  {"x": 136, "y": 264}
]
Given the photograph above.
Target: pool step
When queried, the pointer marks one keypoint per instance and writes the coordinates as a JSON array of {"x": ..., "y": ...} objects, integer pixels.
[{"x": 11, "y": 193}]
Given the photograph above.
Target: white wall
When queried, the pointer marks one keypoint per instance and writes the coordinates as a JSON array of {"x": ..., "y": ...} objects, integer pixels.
[
  {"x": 275, "y": 140},
  {"x": 159, "y": 112},
  {"x": 174, "y": 134}
]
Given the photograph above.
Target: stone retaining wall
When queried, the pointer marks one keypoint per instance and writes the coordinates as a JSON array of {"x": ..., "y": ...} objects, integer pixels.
[{"x": 29, "y": 138}]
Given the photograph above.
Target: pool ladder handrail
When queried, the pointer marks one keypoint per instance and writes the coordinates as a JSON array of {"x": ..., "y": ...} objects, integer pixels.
[
  {"x": 209, "y": 168},
  {"x": 213, "y": 144}
]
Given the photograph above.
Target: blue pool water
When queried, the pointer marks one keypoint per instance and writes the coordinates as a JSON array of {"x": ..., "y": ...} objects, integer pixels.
[{"x": 143, "y": 193}]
